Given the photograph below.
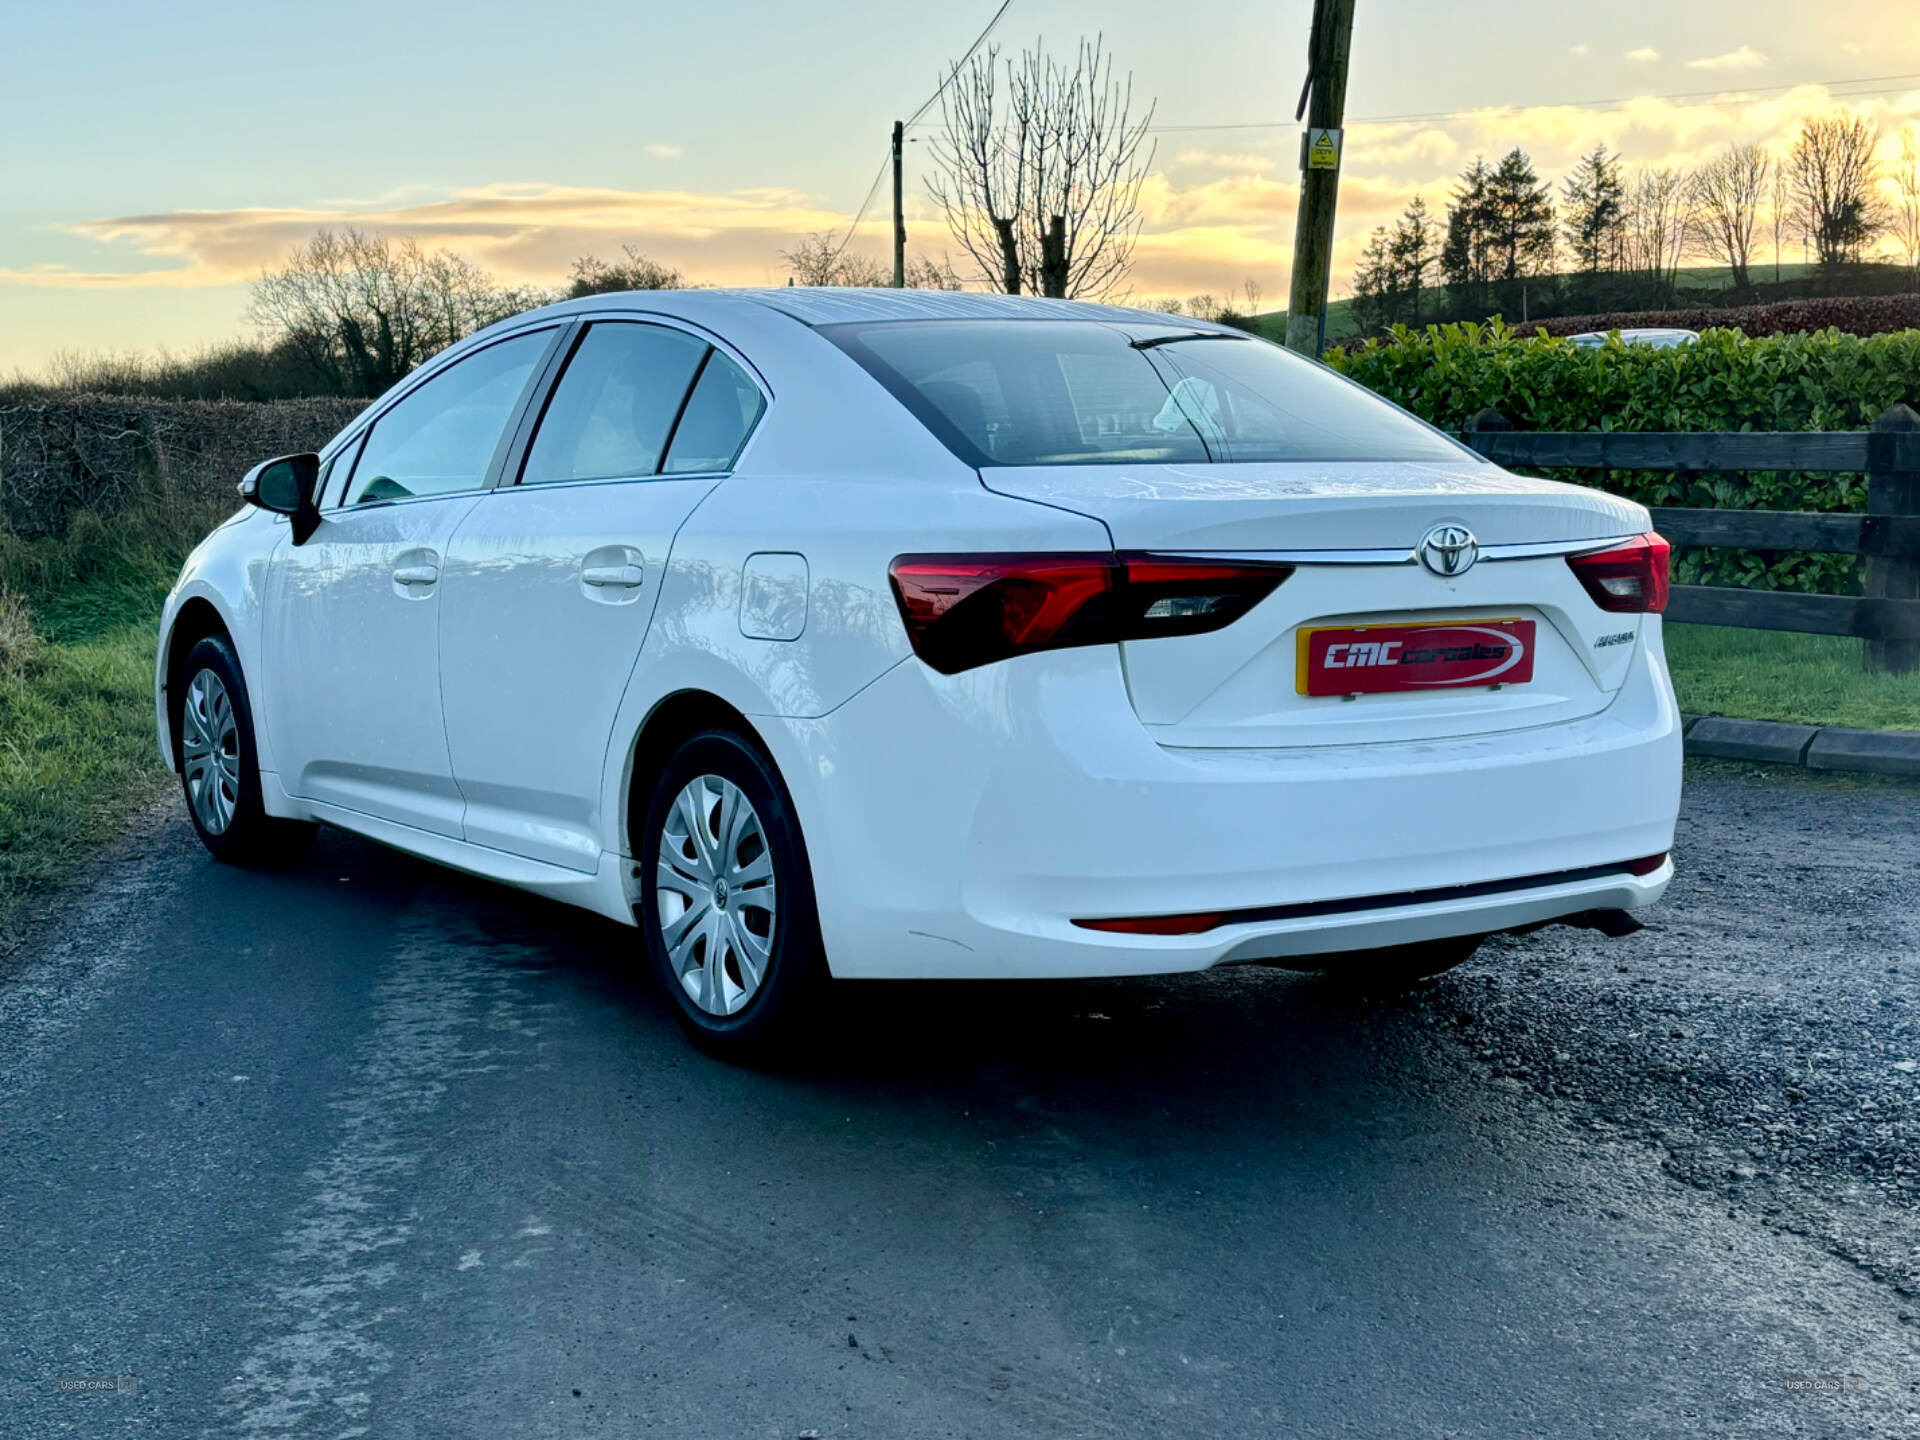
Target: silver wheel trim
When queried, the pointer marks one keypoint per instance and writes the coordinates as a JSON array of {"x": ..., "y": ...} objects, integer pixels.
[
  {"x": 210, "y": 752},
  {"x": 714, "y": 893}
]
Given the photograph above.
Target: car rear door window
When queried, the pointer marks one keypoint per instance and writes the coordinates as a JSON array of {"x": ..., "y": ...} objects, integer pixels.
[
  {"x": 720, "y": 414},
  {"x": 614, "y": 409},
  {"x": 440, "y": 439}
]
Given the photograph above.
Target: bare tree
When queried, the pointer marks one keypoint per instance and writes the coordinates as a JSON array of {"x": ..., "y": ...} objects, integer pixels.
[
  {"x": 1725, "y": 196},
  {"x": 1658, "y": 212},
  {"x": 363, "y": 310},
  {"x": 1906, "y": 210},
  {"x": 926, "y": 273},
  {"x": 820, "y": 260},
  {"x": 1780, "y": 211},
  {"x": 633, "y": 271},
  {"x": 1040, "y": 184},
  {"x": 1836, "y": 179}
]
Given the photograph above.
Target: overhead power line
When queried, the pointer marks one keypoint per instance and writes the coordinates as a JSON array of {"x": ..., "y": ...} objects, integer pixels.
[
  {"x": 954, "y": 69},
  {"x": 926, "y": 105}
]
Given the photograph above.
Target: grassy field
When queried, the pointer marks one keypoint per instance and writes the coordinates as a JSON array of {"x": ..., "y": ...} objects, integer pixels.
[
  {"x": 1341, "y": 326},
  {"x": 1766, "y": 675}
]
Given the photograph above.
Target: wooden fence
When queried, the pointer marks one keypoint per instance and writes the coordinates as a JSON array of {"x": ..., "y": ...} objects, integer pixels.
[{"x": 1887, "y": 617}]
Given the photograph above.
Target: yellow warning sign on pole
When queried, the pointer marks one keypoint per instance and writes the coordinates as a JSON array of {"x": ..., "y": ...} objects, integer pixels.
[{"x": 1323, "y": 149}]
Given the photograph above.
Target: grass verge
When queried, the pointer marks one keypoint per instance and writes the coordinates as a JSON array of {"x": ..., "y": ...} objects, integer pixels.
[
  {"x": 1773, "y": 675},
  {"x": 77, "y": 755}
]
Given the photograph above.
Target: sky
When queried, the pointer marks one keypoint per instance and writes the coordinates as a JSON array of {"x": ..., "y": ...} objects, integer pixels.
[{"x": 157, "y": 157}]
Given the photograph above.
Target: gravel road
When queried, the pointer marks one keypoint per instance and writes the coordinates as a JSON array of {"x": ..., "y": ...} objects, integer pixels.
[{"x": 370, "y": 1149}]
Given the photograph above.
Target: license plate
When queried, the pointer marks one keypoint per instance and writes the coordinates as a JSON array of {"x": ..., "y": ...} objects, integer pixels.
[{"x": 1455, "y": 654}]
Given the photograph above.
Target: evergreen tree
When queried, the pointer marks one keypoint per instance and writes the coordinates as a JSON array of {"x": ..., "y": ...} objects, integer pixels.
[
  {"x": 1395, "y": 271},
  {"x": 1594, "y": 212},
  {"x": 1414, "y": 249},
  {"x": 1519, "y": 211},
  {"x": 1465, "y": 257},
  {"x": 1373, "y": 282}
]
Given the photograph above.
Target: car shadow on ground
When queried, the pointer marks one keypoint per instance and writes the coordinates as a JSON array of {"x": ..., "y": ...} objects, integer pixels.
[{"x": 1239, "y": 1040}]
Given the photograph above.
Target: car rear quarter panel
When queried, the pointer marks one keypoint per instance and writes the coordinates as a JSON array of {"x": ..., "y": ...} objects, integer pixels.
[
  {"x": 839, "y": 473},
  {"x": 849, "y": 528}
]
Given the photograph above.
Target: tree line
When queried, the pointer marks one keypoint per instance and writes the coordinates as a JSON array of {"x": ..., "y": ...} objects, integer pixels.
[{"x": 1616, "y": 238}]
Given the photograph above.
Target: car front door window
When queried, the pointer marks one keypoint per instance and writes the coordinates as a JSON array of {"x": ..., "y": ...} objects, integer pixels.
[{"x": 440, "y": 439}]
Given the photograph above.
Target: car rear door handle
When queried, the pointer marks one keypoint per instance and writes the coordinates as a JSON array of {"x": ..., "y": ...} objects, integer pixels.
[
  {"x": 613, "y": 577},
  {"x": 417, "y": 575}
]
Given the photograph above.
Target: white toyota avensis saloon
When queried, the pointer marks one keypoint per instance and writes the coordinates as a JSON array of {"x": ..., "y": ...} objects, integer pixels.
[{"x": 903, "y": 634}]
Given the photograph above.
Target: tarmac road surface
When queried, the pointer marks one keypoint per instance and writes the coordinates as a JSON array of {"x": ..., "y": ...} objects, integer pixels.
[{"x": 370, "y": 1149}]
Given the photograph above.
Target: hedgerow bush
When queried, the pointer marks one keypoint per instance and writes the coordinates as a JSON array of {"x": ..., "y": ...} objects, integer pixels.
[
  {"x": 1853, "y": 314},
  {"x": 1824, "y": 380}
]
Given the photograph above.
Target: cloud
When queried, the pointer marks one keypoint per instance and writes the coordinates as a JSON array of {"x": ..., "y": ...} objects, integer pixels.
[
  {"x": 1211, "y": 218},
  {"x": 1576, "y": 49},
  {"x": 661, "y": 150},
  {"x": 1644, "y": 54},
  {"x": 1745, "y": 58},
  {"x": 1395, "y": 147},
  {"x": 1252, "y": 164},
  {"x": 522, "y": 232}
]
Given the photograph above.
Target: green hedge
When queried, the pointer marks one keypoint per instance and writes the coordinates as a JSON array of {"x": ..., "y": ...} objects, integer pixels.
[{"x": 1822, "y": 380}]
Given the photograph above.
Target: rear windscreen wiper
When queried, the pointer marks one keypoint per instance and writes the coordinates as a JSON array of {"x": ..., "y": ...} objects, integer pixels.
[{"x": 1158, "y": 340}]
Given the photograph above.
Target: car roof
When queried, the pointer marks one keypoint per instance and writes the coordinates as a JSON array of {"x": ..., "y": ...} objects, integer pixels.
[{"x": 838, "y": 305}]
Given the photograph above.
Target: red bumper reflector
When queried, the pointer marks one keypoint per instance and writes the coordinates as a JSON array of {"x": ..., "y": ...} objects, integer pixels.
[
  {"x": 1157, "y": 924},
  {"x": 1646, "y": 865}
]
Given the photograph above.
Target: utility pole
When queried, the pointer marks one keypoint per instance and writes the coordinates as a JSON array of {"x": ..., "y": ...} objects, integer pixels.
[
  {"x": 1324, "y": 103},
  {"x": 899, "y": 212}
]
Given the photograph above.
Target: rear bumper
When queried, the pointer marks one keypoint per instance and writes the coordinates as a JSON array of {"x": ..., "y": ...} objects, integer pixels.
[{"x": 958, "y": 826}]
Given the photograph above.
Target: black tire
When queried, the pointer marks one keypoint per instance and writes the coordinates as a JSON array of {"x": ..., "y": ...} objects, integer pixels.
[
  {"x": 235, "y": 826},
  {"x": 765, "y": 1021},
  {"x": 1395, "y": 967}
]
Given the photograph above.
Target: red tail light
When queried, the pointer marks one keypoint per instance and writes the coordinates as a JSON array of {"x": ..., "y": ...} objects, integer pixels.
[
  {"x": 967, "y": 610},
  {"x": 1630, "y": 578}
]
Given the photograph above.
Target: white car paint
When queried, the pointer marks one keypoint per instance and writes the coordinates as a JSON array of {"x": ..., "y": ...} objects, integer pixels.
[{"x": 956, "y": 824}]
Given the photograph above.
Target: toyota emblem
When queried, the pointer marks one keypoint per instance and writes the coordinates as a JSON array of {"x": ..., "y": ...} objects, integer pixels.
[{"x": 1449, "y": 550}]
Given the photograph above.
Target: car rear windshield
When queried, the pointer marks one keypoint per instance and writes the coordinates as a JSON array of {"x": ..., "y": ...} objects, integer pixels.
[{"x": 1046, "y": 392}]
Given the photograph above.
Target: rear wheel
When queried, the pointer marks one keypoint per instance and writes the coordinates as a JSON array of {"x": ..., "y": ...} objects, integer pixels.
[
  {"x": 1397, "y": 966},
  {"x": 219, "y": 766},
  {"x": 727, "y": 905}
]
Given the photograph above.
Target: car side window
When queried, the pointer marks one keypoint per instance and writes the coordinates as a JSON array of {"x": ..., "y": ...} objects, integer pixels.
[
  {"x": 720, "y": 414},
  {"x": 331, "y": 490},
  {"x": 614, "y": 409},
  {"x": 440, "y": 439}
]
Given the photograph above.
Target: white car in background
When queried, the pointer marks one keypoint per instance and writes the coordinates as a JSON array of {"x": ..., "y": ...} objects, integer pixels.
[
  {"x": 899, "y": 634},
  {"x": 1658, "y": 339}
]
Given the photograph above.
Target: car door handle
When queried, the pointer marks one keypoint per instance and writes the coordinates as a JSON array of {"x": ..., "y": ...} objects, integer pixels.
[
  {"x": 613, "y": 577},
  {"x": 417, "y": 575}
]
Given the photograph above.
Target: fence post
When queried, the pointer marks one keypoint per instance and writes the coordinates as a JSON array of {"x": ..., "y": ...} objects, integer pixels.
[{"x": 1892, "y": 491}]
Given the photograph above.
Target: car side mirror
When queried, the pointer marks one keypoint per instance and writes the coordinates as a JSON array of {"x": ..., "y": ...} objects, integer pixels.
[{"x": 285, "y": 486}]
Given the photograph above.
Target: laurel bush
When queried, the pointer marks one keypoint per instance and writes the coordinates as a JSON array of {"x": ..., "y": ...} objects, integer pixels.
[{"x": 1822, "y": 380}]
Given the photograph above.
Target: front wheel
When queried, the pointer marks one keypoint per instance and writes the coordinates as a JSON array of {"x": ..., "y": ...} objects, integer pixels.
[
  {"x": 727, "y": 903},
  {"x": 219, "y": 766}
]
